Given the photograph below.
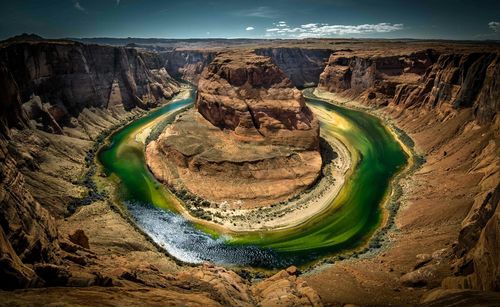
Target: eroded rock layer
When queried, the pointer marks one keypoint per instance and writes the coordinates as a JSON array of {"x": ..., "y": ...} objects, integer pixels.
[
  {"x": 56, "y": 81},
  {"x": 250, "y": 125},
  {"x": 448, "y": 104}
]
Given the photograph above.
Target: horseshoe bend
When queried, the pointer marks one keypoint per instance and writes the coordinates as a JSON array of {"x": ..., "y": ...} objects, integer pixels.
[
  {"x": 286, "y": 170},
  {"x": 250, "y": 124}
]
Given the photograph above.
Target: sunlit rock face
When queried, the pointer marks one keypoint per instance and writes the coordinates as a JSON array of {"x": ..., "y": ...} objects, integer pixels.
[
  {"x": 250, "y": 140},
  {"x": 250, "y": 95}
]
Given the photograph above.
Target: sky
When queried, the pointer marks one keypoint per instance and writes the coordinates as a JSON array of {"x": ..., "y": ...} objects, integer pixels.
[{"x": 425, "y": 19}]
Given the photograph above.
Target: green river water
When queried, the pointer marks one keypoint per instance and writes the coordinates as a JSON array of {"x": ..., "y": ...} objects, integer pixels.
[{"x": 349, "y": 221}]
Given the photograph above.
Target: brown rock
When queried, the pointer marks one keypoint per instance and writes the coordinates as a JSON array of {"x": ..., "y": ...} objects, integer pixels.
[
  {"x": 252, "y": 126},
  {"x": 284, "y": 289},
  {"x": 250, "y": 95},
  {"x": 80, "y": 238},
  {"x": 292, "y": 270}
]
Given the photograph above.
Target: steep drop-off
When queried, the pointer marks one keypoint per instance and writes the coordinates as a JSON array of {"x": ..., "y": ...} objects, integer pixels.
[
  {"x": 448, "y": 104},
  {"x": 301, "y": 66},
  {"x": 56, "y": 81}
]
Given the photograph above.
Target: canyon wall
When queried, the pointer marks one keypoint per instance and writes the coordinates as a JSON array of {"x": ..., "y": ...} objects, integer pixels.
[
  {"x": 187, "y": 64},
  {"x": 56, "y": 81},
  {"x": 55, "y": 98},
  {"x": 301, "y": 66},
  {"x": 347, "y": 71},
  {"x": 448, "y": 103}
]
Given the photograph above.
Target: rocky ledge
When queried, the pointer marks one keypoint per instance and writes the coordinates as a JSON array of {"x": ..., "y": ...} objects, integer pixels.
[{"x": 250, "y": 140}]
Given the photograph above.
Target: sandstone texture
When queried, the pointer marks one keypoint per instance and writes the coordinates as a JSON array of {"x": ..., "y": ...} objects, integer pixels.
[
  {"x": 445, "y": 251},
  {"x": 447, "y": 102},
  {"x": 250, "y": 125},
  {"x": 302, "y": 66},
  {"x": 57, "y": 81},
  {"x": 187, "y": 64}
]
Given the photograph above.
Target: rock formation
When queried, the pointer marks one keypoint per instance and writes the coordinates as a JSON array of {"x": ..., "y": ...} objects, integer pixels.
[
  {"x": 448, "y": 104},
  {"x": 301, "y": 66},
  {"x": 252, "y": 125},
  {"x": 69, "y": 77}
]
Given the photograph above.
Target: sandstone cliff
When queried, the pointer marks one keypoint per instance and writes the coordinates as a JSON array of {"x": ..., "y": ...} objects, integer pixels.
[
  {"x": 348, "y": 71},
  {"x": 301, "y": 66},
  {"x": 69, "y": 77},
  {"x": 448, "y": 104},
  {"x": 187, "y": 64},
  {"x": 252, "y": 125},
  {"x": 457, "y": 81}
]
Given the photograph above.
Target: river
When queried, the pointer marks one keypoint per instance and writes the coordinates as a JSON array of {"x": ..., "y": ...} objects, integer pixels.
[{"x": 350, "y": 220}]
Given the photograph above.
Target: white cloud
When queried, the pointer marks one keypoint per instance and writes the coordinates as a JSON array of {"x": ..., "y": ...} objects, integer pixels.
[
  {"x": 260, "y": 12},
  {"x": 495, "y": 26},
  {"x": 249, "y": 28},
  {"x": 325, "y": 30},
  {"x": 309, "y": 25},
  {"x": 77, "y": 6}
]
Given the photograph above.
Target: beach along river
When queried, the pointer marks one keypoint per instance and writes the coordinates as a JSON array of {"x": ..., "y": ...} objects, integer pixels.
[{"x": 348, "y": 222}]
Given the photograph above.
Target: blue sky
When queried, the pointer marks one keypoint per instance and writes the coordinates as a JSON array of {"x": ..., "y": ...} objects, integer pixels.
[{"x": 446, "y": 19}]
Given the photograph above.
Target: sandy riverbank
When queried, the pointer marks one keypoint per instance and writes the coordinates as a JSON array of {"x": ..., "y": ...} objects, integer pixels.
[{"x": 281, "y": 215}]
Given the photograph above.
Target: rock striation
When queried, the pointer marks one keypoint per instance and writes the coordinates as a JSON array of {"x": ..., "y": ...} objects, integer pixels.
[
  {"x": 250, "y": 124},
  {"x": 302, "y": 66},
  {"x": 448, "y": 103},
  {"x": 187, "y": 64},
  {"x": 377, "y": 74},
  {"x": 251, "y": 96},
  {"x": 457, "y": 81},
  {"x": 56, "y": 81}
]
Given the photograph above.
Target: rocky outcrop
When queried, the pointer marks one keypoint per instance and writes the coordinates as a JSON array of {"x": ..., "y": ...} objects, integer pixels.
[
  {"x": 28, "y": 232},
  {"x": 251, "y": 124},
  {"x": 477, "y": 265},
  {"x": 457, "y": 81},
  {"x": 69, "y": 77},
  {"x": 251, "y": 96},
  {"x": 348, "y": 71},
  {"x": 206, "y": 285},
  {"x": 301, "y": 66},
  {"x": 448, "y": 104}
]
